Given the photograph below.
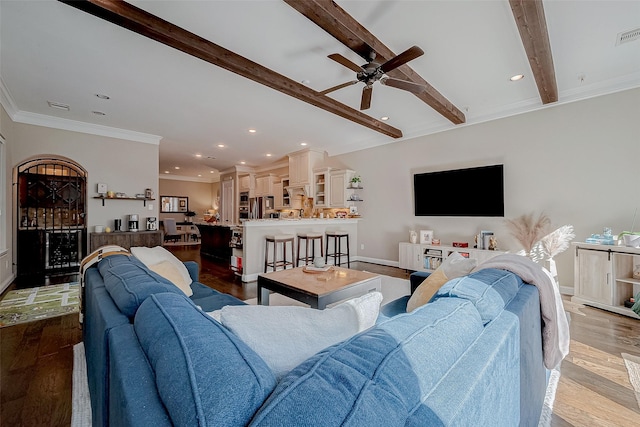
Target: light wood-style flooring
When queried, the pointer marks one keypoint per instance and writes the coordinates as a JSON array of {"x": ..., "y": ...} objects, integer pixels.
[{"x": 36, "y": 360}]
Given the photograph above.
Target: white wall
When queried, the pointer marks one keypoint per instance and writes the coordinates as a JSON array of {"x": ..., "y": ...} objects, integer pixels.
[
  {"x": 576, "y": 162},
  {"x": 6, "y": 258}
]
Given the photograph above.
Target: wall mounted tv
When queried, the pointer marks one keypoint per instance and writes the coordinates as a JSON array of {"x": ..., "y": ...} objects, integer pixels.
[{"x": 462, "y": 192}]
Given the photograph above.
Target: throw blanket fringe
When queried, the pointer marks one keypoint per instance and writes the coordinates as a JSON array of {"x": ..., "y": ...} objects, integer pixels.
[{"x": 555, "y": 327}]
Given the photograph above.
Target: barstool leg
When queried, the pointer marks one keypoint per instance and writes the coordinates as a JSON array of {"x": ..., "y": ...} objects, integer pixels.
[
  {"x": 326, "y": 253},
  {"x": 298, "y": 258},
  {"x": 336, "y": 251},
  {"x": 348, "y": 260},
  {"x": 266, "y": 255}
]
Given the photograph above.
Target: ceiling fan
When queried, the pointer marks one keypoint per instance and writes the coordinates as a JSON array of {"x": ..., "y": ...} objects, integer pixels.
[{"x": 372, "y": 72}]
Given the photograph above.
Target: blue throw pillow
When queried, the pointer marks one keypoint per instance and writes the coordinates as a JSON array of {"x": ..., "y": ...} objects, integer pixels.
[
  {"x": 205, "y": 375},
  {"x": 129, "y": 282},
  {"x": 380, "y": 375}
]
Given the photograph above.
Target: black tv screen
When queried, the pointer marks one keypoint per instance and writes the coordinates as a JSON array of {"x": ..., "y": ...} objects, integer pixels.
[{"x": 462, "y": 192}]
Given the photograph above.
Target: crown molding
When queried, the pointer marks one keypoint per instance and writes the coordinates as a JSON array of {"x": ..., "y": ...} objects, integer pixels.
[
  {"x": 83, "y": 127},
  {"x": 210, "y": 180},
  {"x": 19, "y": 116}
]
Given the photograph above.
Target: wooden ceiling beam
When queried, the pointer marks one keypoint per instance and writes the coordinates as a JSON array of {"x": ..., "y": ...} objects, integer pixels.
[
  {"x": 141, "y": 22},
  {"x": 532, "y": 25},
  {"x": 336, "y": 21}
]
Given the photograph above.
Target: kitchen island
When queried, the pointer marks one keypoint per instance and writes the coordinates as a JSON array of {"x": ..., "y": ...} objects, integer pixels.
[
  {"x": 254, "y": 232},
  {"x": 215, "y": 240}
]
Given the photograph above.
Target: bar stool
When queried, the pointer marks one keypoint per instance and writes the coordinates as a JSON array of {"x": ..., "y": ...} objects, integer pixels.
[
  {"x": 337, "y": 247},
  {"x": 277, "y": 239},
  {"x": 310, "y": 243}
]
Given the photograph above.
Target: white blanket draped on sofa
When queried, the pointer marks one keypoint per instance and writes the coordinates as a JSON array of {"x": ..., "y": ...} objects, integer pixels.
[{"x": 555, "y": 327}]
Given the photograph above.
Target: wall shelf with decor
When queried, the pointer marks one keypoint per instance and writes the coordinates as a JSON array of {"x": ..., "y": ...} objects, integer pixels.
[{"x": 144, "y": 199}]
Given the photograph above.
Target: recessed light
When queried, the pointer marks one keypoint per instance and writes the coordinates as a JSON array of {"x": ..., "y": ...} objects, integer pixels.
[
  {"x": 517, "y": 77},
  {"x": 303, "y": 143},
  {"x": 176, "y": 167},
  {"x": 212, "y": 171},
  {"x": 198, "y": 155},
  {"x": 58, "y": 105},
  {"x": 268, "y": 154},
  {"x": 99, "y": 113},
  {"x": 166, "y": 171},
  {"x": 243, "y": 163},
  {"x": 199, "y": 175},
  {"x": 220, "y": 145},
  {"x": 252, "y": 131},
  {"x": 384, "y": 118}
]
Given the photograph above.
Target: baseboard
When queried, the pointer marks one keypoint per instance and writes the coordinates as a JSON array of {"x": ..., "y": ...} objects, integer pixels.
[
  {"x": 566, "y": 290},
  {"x": 9, "y": 280},
  {"x": 377, "y": 261}
]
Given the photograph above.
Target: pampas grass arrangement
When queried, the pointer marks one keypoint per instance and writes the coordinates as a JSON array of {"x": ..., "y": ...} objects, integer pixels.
[
  {"x": 557, "y": 241},
  {"x": 528, "y": 230}
]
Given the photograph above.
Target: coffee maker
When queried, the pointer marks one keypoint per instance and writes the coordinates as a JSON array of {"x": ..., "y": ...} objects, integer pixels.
[
  {"x": 133, "y": 222},
  {"x": 152, "y": 223}
]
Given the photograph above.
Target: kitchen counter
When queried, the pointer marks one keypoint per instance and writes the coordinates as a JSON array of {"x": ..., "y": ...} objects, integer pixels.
[{"x": 254, "y": 232}]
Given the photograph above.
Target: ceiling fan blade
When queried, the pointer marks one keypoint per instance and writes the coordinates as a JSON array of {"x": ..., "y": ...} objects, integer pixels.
[
  {"x": 403, "y": 84},
  {"x": 331, "y": 89},
  {"x": 398, "y": 60},
  {"x": 344, "y": 61},
  {"x": 365, "y": 103}
]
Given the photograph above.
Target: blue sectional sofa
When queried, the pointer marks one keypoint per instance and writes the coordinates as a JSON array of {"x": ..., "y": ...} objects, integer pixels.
[{"x": 472, "y": 356}]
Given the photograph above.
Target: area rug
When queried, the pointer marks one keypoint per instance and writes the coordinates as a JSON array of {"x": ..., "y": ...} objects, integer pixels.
[
  {"x": 81, "y": 403},
  {"x": 27, "y": 305},
  {"x": 392, "y": 288},
  {"x": 633, "y": 368}
]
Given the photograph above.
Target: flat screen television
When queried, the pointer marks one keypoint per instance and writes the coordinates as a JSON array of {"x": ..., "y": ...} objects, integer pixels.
[{"x": 473, "y": 192}]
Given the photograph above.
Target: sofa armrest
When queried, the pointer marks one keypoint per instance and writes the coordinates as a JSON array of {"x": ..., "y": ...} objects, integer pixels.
[
  {"x": 192, "y": 268},
  {"x": 416, "y": 278}
]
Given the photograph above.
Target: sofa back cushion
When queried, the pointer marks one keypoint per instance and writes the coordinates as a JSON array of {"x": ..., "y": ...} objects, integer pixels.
[
  {"x": 129, "y": 282},
  {"x": 380, "y": 374},
  {"x": 205, "y": 375},
  {"x": 490, "y": 290}
]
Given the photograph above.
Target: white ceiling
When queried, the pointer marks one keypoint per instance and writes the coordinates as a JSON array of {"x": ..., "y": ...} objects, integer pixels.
[{"x": 50, "y": 51}]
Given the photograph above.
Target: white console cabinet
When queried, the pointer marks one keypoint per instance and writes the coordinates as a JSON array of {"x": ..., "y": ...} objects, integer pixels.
[
  {"x": 603, "y": 276},
  {"x": 414, "y": 256}
]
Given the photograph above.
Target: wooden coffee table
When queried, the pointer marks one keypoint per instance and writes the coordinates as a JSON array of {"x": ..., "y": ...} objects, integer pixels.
[{"x": 317, "y": 289}]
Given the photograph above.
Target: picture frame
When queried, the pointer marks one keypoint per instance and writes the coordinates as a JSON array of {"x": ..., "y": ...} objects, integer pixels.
[
  {"x": 426, "y": 237},
  {"x": 174, "y": 204}
]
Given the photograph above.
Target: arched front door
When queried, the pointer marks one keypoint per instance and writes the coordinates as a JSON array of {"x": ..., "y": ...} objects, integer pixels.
[{"x": 51, "y": 210}]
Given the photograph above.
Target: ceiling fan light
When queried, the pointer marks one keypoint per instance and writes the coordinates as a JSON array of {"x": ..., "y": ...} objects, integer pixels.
[
  {"x": 516, "y": 77},
  {"x": 384, "y": 118}
]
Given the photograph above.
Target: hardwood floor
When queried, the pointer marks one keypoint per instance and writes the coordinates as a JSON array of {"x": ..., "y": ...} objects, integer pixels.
[{"x": 36, "y": 360}]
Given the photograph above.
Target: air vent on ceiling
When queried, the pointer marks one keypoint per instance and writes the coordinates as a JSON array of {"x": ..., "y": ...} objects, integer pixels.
[
  {"x": 628, "y": 36},
  {"x": 58, "y": 105}
]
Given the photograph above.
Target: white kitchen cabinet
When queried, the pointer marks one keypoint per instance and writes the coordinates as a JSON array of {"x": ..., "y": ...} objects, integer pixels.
[
  {"x": 278, "y": 200},
  {"x": 264, "y": 185},
  {"x": 414, "y": 256},
  {"x": 246, "y": 183},
  {"x": 339, "y": 181},
  {"x": 604, "y": 276},
  {"x": 321, "y": 187},
  {"x": 301, "y": 166}
]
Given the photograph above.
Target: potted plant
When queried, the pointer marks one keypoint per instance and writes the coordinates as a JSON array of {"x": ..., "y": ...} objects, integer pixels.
[{"x": 355, "y": 181}]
